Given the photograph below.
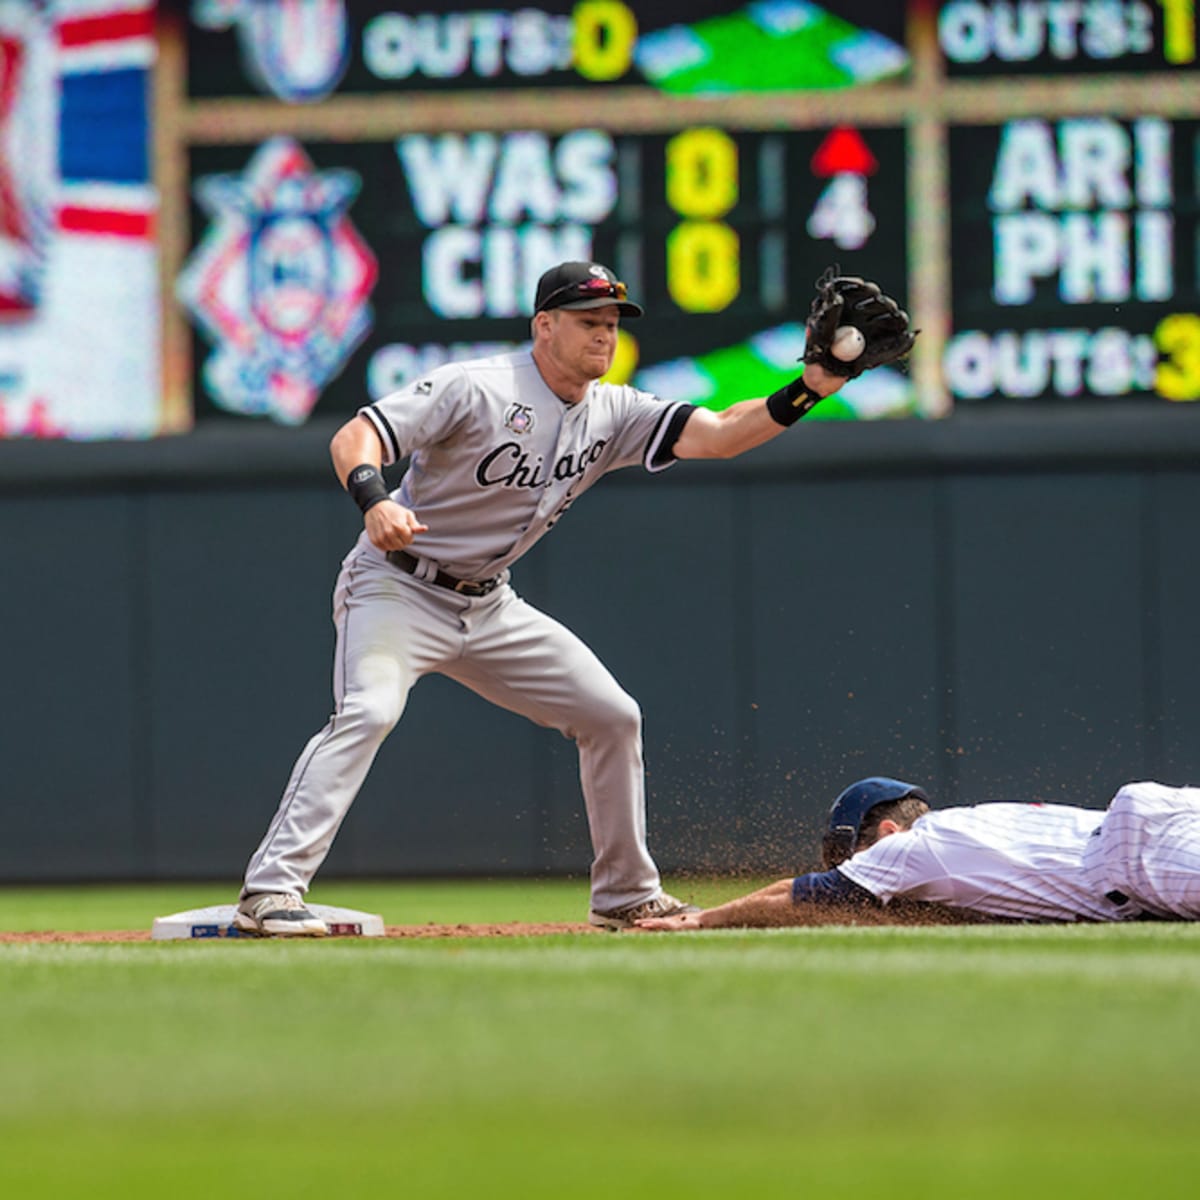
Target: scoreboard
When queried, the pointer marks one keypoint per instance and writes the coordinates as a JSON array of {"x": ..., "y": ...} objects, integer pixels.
[
  {"x": 309, "y": 49},
  {"x": 1052, "y": 37},
  {"x": 1090, "y": 288},
  {"x": 697, "y": 222},
  {"x": 373, "y": 189}
]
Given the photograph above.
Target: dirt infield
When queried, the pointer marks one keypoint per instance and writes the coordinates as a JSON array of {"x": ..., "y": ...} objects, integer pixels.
[
  {"x": 507, "y": 929},
  {"x": 896, "y": 914}
]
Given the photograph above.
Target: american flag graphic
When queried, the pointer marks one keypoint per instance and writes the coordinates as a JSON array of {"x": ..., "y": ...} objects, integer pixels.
[{"x": 79, "y": 292}]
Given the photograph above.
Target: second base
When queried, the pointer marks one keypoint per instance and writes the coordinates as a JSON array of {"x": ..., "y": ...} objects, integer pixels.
[{"x": 217, "y": 922}]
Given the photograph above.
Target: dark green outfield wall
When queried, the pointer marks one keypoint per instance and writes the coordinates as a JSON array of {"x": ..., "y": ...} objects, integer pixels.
[{"x": 1003, "y": 606}]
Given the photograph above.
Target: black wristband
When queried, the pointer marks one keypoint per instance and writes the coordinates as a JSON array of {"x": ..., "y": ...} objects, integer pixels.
[
  {"x": 792, "y": 401},
  {"x": 366, "y": 486}
]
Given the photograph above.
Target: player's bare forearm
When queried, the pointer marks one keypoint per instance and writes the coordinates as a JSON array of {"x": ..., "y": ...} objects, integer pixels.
[
  {"x": 355, "y": 443},
  {"x": 389, "y": 525},
  {"x": 767, "y": 907},
  {"x": 745, "y": 425}
]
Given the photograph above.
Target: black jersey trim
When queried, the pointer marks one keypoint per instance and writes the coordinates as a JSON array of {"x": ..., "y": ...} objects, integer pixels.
[
  {"x": 660, "y": 449},
  {"x": 387, "y": 435}
]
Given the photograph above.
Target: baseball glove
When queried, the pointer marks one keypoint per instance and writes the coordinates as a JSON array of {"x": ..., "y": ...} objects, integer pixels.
[{"x": 848, "y": 300}]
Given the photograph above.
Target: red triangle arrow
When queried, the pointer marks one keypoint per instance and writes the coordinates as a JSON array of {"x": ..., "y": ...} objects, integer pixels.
[{"x": 843, "y": 152}]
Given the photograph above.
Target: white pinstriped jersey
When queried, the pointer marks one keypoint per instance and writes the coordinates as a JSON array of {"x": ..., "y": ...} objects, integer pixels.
[
  {"x": 497, "y": 457},
  {"x": 1048, "y": 862},
  {"x": 1022, "y": 861}
]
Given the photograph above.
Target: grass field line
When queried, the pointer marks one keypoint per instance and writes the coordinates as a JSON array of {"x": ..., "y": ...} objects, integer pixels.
[{"x": 714, "y": 954}]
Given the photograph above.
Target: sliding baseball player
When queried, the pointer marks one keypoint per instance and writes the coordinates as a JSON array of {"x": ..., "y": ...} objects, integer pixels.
[{"x": 1139, "y": 858}]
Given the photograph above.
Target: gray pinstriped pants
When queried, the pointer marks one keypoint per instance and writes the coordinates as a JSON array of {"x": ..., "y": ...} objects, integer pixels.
[{"x": 1148, "y": 847}]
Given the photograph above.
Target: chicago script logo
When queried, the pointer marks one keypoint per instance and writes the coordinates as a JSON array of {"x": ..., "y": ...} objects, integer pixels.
[{"x": 510, "y": 466}]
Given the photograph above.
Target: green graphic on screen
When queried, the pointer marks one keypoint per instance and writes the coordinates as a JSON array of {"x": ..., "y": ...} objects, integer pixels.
[
  {"x": 774, "y": 45},
  {"x": 765, "y": 362}
]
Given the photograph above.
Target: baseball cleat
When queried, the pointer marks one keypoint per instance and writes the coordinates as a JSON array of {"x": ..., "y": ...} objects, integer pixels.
[
  {"x": 661, "y": 905},
  {"x": 270, "y": 914}
]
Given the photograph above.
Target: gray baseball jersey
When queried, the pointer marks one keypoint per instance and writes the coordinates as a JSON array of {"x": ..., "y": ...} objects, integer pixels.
[
  {"x": 497, "y": 457},
  {"x": 1047, "y": 862}
]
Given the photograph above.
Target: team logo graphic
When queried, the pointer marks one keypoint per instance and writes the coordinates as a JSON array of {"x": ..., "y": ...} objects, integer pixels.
[
  {"x": 296, "y": 49},
  {"x": 28, "y": 154},
  {"x": 519, "y": 418},
  {"x": 422, "y": 387},
  {"x": 279, "y": 282}
]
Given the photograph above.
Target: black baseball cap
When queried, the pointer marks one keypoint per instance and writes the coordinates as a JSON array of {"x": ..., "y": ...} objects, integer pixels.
[{"x": 579, "y": 285}]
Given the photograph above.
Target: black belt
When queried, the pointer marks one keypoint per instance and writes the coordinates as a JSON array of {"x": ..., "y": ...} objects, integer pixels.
[{"x": 465, "y": 587}]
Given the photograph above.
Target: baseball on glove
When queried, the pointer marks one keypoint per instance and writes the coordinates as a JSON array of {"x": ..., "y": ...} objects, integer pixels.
[{"x": 852, "y": 326}]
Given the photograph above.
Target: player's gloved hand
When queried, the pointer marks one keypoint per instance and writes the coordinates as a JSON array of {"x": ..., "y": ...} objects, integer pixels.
[
  {"x": 391, "y": 526},
  {"x": 848, "y": 300}
]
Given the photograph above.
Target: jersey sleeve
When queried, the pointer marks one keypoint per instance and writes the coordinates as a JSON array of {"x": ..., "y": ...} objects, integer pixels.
[
  {"x": 902, "y": 864},
  {"x": 889, "y": 868},
  {"x": 424, "y": 413},
  {"x": 829, "y": 888},
  {"x": 647, "y": 430}
]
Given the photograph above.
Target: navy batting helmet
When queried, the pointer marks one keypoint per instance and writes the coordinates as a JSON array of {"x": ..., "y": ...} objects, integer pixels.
[{"x": 849, "y": 809}]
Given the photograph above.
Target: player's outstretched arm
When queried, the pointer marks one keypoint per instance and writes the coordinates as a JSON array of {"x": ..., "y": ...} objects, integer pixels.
[
  {"x": 768, "y": 906},
  {"x": 357, "y": 458},
  {"x": 750, "y": 423},
  {"x": 852, "y": 327},
  {"x": 810, "y": 899}
]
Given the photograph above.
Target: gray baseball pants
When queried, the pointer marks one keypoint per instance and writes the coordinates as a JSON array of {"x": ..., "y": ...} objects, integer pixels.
[{"x": 391, "y": 630}]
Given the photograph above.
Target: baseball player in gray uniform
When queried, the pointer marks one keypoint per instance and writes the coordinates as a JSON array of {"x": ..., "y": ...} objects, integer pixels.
[
  {"x": 499, "y": 449},
  {"x": 1138, "y": 858}
]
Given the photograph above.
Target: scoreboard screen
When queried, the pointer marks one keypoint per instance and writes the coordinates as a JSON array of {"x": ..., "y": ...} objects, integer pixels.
[
  {"x": 456, "y": 227},
  {"x": 1074, "y": 243},
  {"x": 369, "y": 190},
  {"x": 1090, "y": 286},
  {"x": 665, "y": 46},
  {"x": 1039, "y": 37}
]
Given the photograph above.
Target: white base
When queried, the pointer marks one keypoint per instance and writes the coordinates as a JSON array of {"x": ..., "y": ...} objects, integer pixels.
[{"x": 217, "y": 922}]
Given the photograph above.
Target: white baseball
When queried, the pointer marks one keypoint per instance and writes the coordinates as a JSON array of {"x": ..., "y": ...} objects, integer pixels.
[{"x": 848, "y": 343}]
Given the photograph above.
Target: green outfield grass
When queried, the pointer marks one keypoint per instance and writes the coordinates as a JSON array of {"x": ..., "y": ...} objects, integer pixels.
[{"x": 872, "y": 1062}]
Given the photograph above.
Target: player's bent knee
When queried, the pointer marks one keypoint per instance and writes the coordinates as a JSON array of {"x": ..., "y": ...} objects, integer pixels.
[
  {"x": 618, "y": 717},
  {"x": 374, "y": 715}
]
